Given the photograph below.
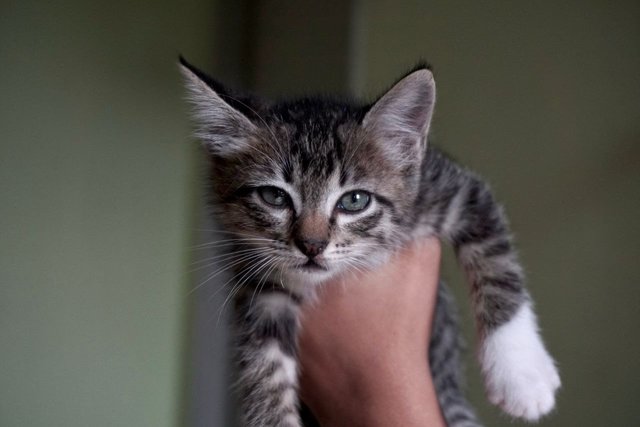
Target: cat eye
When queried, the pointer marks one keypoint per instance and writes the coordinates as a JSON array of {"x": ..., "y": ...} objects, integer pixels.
[
  {"x": 274, "y": 196},
  {"x": 354, "y": 201}
]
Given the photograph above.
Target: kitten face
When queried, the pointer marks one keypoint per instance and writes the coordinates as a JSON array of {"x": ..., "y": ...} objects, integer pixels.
[
  {"x": 313, "y": 188},
  {"x": 308, "y": 189}
]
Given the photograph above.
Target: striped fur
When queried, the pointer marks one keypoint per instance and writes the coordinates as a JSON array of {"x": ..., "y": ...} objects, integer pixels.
[
  {"x": 444, "y": 356},
  {"x": 309, "y": 154}
]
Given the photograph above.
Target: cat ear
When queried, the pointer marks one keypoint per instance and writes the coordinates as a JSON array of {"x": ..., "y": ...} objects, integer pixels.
[
  {"x": 400, "y": 118},
  {"x": 220, "y": 124}
]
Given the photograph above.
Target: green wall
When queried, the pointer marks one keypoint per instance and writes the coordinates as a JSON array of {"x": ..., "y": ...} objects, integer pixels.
[
  {"x": 543, "y": 99},
  {"x": 96, "y": 188}
]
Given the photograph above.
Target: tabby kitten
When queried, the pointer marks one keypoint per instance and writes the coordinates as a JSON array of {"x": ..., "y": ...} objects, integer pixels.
[{"x": 310, "y": 188}]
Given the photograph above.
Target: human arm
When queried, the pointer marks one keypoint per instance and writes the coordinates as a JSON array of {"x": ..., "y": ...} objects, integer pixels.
[{"x": 364, "y": 345}]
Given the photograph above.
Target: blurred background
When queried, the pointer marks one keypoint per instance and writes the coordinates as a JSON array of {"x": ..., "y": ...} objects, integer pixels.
[{"x": 101, "y": 190}]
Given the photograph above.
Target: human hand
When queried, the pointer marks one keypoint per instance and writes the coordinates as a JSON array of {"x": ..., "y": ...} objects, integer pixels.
[{"x": 364, "y": 345}]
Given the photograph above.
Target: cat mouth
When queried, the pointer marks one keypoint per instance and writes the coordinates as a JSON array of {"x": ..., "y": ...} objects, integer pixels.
[{"x": 311, "y": 265}]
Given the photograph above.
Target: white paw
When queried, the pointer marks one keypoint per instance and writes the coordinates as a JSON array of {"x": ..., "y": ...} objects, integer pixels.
[{"x": 520, "y": 376}]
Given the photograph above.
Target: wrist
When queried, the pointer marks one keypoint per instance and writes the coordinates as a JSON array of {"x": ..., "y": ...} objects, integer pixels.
[{"x": 394, "y": 393}]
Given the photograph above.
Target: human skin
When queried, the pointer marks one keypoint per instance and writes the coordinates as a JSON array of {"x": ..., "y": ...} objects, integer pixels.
[{"x": 364, "y": 343}]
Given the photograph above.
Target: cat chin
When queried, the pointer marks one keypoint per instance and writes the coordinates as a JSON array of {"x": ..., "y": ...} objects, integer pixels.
[
  {"x": 305, "y": 281},
  {"x": 310, "y": 277}
]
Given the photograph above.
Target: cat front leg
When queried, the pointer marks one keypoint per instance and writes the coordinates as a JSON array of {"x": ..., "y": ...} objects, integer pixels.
[
  {"x": 268, "y": 377},
  {"x": 520, "y": 375}
]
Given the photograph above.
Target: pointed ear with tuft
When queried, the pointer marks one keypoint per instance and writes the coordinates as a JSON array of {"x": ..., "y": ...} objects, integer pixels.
[
  {"x": 222, "y": 128},
  {"x": 400, "y": 118}
]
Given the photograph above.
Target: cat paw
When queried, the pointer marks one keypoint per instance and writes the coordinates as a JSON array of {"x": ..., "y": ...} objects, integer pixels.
[
  {"x": 527, "y": 393},
  {"x": 520, "y": 376}
]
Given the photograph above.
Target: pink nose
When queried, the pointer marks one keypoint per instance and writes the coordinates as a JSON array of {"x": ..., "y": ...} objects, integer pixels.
[{"x": 311, "y": 247}]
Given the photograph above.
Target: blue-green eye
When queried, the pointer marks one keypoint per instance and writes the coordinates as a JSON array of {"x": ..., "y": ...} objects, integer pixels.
[
  {"x": 354, "y": 201},
  {"x": 274, "y": 196}
]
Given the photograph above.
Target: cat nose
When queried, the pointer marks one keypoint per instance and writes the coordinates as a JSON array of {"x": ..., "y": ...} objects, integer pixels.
[{"x": 311, "y": 247}]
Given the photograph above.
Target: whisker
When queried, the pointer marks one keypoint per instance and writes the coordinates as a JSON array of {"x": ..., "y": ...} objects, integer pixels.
[
  {"x": 243, "y": 274},
  {"x": 248, "y": 257},
  {"x": 260, "y": 284},
  {"x": 225, "y": 256},
  {"x": 229, "y": 242},
  {"x": 233, "y": 260},
  {"x": 238, "y": 286},
  {"x": 224, "y": 231}
]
